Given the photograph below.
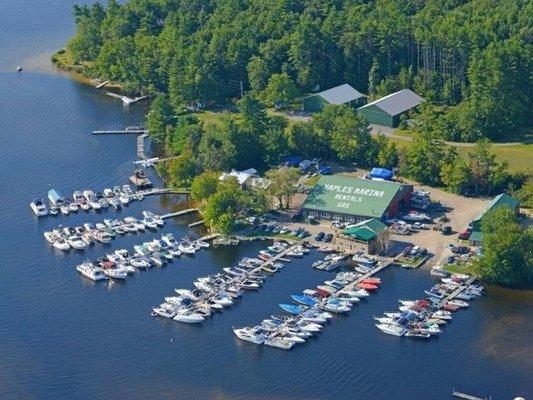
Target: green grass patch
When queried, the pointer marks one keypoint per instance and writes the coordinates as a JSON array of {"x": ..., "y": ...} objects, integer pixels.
[
  {"x": 286, "y": 236},
  {"x": 462, "y": 268}
]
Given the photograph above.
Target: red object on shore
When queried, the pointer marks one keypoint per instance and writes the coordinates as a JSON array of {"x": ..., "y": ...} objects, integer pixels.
[{"x": 372, "y": 281}]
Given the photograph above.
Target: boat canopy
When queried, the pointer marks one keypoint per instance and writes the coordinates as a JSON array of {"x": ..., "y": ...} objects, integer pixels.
[{"x": 55, "y": 197}]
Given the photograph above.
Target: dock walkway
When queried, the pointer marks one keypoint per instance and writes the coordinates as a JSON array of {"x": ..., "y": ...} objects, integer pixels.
[
  {"x": 178, "y": 213},
  {"x": 140, "y": 147},
  {"x": 121, "y": 132},
  {"x": 465, "y": 396},
  {"x": 374, "y": 271},
  {"x": 459, "y": 289}
]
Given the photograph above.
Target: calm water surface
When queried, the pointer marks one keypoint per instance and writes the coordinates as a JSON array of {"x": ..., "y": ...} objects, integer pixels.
[{"x": 62, "y": 337}]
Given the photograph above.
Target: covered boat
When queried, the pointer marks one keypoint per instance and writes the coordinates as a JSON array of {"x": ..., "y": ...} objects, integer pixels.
[{"x": 56, "y": 198}]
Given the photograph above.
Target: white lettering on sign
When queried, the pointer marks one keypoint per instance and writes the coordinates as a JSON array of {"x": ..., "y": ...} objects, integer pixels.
[{"x": 354, "y": 190}]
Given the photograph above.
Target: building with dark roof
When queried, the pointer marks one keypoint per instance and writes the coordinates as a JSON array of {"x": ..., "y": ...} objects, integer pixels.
[
  {"x": 387, "y": 110},
  {"x": 354, "y": 199},
  {"x": 502, "y": 200},
  {"x": 343, "y": 94}
]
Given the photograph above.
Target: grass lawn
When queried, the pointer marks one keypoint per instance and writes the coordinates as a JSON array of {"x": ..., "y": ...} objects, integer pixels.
[
  {"x": 517, "y": 155},
  {"x": 470, "y": 269}
]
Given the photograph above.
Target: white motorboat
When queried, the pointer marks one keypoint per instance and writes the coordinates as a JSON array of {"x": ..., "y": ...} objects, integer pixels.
[
  {"x": 326, "y": 249},
  {"x": 88, "y": 270},
  {"x": 38, "y": 207},
  {"x": 250, "y": 334},
  {"x": 458, "y": 303},
  {"x": 202, "y": 244},
  {"x": 360, "y": 293},
  {"x": 164, "y": 311},
  {"x": 73, "y": 207},
  {"x": 94, "y": 203},
  {"x": 186, "y": 249},
  {"x": 64, "y": 210},
  {"x": 442, "y": 314},
  {"x": 390, "y": 329},
  {"x": 115, "y": 273},
  {"x": 76, "y": 242},
  {"x": 188, "y": 317},
  {"x": 61, "y": 244},
  {"x": 279, "y": 342},
  {"x": 51, "y": 237}
]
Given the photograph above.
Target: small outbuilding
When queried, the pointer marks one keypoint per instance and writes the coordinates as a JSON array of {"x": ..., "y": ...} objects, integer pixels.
[
  {"x": 387, "y": 110},
  {"x": 343, "y": 94},
  {"x": 371, "y": 235},
  {"x": 502, "y": 200}
]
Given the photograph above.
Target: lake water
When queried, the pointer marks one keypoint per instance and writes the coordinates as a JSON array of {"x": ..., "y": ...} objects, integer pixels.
[{"x": 62, "y": 337}]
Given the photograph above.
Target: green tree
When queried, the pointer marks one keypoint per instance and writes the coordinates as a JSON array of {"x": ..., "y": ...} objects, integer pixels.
[
  {"x": 280, "y": 91},
  {"x": 216, "y": 151},
  {"x": 205, "y": 185},
  {"x": 386, "y": 152},
  {"x": 423, "y": 159},
  {"x": 283, "y": 183},
  {"x": 507, "y": 257},
  {"x": 159, "y": 118},
  {"x": 182, "y": 169}
]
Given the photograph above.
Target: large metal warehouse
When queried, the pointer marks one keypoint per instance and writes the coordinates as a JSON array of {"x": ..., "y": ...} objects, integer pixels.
[
  {"x": 354, "y": 199},
  {"x": 343, "y": 94},
  {"x": 387, "y": 110}
]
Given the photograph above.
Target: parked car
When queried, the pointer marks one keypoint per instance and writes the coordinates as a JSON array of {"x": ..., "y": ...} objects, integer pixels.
[
  {"x": 446, "y": 230},
  {"x": 276, "y": 229},
  {"x": 313, "y": 221},
  {"x": 319, "y": 236},
  {"x": 324, "y": 169},
  {"x": 460, "y": 250},
  {"x": 303, "y": 234},
  {"x": 407, "y": 250},
  {"x": 464, "y": 235},
  {"x": 328, "y": 237},
  {"x": 450, "y": 260}
]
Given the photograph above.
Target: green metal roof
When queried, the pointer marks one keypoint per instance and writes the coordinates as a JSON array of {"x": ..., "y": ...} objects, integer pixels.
[
  {"x": 366, "y": 230},
  {"x": 502, "y": 200},
  {"x": 475, "y": 236},
  {"x": 363, "y": 197}
]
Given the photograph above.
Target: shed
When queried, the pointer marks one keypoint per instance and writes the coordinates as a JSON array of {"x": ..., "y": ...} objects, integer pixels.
[
  {"x": 387, "y": 110},
  {"x": 502, "y": 200},
  {"x": 343, "y": 94},
  {"x": 366, "y": 230}
]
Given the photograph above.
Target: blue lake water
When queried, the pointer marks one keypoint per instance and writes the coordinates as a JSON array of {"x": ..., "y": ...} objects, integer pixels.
[{"x": 62, "y": 337}]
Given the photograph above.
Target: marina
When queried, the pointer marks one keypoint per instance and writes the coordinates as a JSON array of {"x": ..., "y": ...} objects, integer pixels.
[
  {"x": 214, "y": 292},
  {"x": 82, "y": 236},
  {"x": 313, "y": 308},
  {"x": 66, "y": 336}
]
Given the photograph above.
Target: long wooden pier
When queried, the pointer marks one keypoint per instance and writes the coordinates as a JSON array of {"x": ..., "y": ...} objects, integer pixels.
[
  {"x": 158, "y": 191},
  {"x": 120, "y": 132},
  {"x": 372, "y": 272},
  {"x": 459, "y": 289},
  {"x": 178, "y": 213},
  {"x": 461, "y": 395},
  {"x": 140, "y": 147}
]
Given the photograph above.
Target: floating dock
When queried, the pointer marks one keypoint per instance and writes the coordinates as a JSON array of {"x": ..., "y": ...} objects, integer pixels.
[{"x": 197, "y": 223}]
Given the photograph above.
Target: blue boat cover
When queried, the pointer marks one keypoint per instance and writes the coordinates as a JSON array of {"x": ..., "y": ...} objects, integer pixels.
[
  {"x": 381, "y": 173},
  {"x": 291, "y": 308},
  {"x": 308, "y": 301}
]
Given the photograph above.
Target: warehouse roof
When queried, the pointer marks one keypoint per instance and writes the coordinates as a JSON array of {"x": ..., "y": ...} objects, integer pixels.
[
  {"x": 353, "y": 196},
  {"x": 398, "y": 102},
  {"x": 366, "y": 230},
  {"x": 340, "y": 94}
]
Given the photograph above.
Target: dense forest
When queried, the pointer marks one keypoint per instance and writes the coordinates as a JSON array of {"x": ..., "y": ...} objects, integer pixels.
[{"x": 470, "y": 59}]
